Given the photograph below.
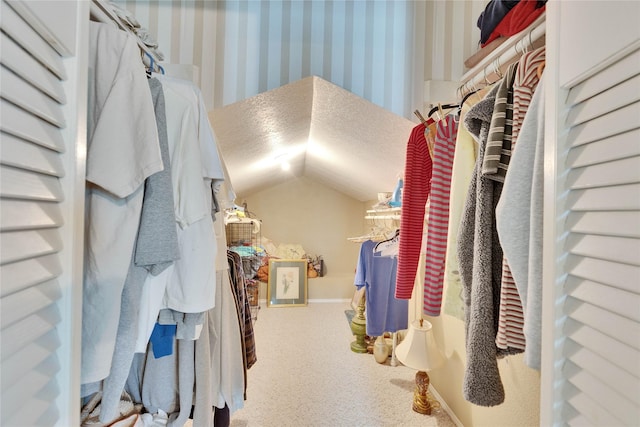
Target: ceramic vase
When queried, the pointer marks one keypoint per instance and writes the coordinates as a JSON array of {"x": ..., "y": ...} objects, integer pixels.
[{"x": 380, "y": 350}]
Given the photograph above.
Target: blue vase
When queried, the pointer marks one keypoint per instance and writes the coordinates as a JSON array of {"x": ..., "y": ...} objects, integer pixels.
[{"x": 396, "y": 199}]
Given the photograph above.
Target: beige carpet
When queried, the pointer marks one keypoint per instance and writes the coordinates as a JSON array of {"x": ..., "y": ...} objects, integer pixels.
[{"x": 306, "y": 375}]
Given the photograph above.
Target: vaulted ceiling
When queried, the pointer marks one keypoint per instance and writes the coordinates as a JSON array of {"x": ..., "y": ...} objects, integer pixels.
[
  {"x": 321, "y": 130},
  {"x": 255, "y": 63}
]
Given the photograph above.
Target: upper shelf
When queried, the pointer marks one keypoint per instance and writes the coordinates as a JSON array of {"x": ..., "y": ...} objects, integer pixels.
[
  {"x": 492, "y": 67},
  {"x": 389, "y": 213}
]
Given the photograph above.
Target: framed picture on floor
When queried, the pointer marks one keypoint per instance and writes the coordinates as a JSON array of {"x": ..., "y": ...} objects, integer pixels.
[{"x": 287, "y": 285}]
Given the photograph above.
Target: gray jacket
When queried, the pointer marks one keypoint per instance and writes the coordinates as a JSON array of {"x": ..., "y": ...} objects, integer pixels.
[{"x": 480, "y": 262}]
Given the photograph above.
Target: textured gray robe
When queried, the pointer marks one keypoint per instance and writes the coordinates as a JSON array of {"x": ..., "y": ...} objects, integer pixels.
[{"x": 480, "y": 262}]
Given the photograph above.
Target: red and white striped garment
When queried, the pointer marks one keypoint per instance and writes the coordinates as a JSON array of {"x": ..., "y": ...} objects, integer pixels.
[
  {"x": 436, "y": 247},
  {"x": 417, "y": 185},
  {"x": 524, "y": 86},
  {"x": 510, "y": 335},
  {"x": 511, "y": 320}
]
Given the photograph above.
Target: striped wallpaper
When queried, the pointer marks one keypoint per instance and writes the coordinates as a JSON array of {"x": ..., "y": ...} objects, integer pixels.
[{"x": 382, "y": 51}]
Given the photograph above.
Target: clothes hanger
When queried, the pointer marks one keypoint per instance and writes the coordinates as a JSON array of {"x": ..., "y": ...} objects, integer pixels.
[
  {"x": 376, "y": 234},
  {"x": 486, "y": 80},
  {"x": 383, "y": 243},
  {"x": 440, "y": 107},
  {"x": 496, "y": 68},
  {"x": 152, "y": 65},
  {"x": 464, "y": 99},
  {"x": 422, "y": 119},
  {"x": 148, "y": 69},
  {"x": 459, "y": 95}
]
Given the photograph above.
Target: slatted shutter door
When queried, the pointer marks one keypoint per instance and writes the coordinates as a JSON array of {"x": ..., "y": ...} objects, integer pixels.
[
  {"x": 601, "y": 345},
  {"x": 36, "y": 148}
]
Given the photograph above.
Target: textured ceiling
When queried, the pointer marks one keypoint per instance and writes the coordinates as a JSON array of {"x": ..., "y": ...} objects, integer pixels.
[{"x": 325, "y": 132}]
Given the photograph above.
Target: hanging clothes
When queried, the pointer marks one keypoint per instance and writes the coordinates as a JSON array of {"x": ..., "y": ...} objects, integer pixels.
[
  {"x": 227, "y": 363},
  {"x": 239, "y": 286},
  {"x": 430, "y": 136},
  {"x": 510, "y": 326},
  {"x": 377, "y": 274},
  {"x": 122, "y": 151},
  {"x": 438, "y": 216},
  {"x": 165, "y": 383},
  {"x": 498, "y": 146},
  {"x": 192, "y": 287},
  {"x": 154, "y": 252},
  {"x": 161, "y": 266},
  {"x": 480, "y": 260},
  {"x": 519, "y": 221},
  {"x": 524, "y": 86},
  {"x": 417, "y": 186},
  {"x": 464, "y": 160},
  {"x": 509, "y": 337},
  {"x": 189, "y": 285},
  {"x": 220, "y": 378},
  {"x": 212, "y": 165}
]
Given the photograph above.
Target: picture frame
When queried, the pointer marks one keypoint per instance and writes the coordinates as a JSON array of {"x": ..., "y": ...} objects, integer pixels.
[{"x": 287, "y": 286}]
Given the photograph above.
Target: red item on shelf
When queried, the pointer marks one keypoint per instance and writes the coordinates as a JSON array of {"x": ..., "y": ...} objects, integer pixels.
[{"x": 516, "y": 20}]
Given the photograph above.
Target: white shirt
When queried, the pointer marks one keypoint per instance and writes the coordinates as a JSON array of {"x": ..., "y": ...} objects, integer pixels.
[
  {"x": 123, "y": 150},
  {"x": 184, "y": 150},
  {"x": 211, "y": 162},
  {"x": 190, "y": 285}
]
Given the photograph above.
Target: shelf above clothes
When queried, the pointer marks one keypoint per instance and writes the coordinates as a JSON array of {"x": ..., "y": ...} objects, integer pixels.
[
  {"x": 493, "y": 66},
  {"x": 384, "y": 223},
  {"x": 391, "y": 213}
]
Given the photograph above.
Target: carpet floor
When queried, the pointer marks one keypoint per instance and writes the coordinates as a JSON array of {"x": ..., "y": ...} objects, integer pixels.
[{"x": 307, "y": 375}]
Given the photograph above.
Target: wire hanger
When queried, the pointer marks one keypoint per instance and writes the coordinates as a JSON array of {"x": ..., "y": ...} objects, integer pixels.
[
  {"x": 391, "y": 240},
  {"x": 153, "y": 65},
  {"x": 440, "y": 107},
  {"x": 464, "y": 99},
  {"x": 486, "y": 80},
  {"x": 496, "y": 68},
  {"x": 150, "y": 68}
]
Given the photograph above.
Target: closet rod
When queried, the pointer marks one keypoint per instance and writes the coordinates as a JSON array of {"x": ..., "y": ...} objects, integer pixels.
[
  {"x": 493, "y": 66},
  {"x": 385, "y": 210},
  {"x": 396, "y": 217}
]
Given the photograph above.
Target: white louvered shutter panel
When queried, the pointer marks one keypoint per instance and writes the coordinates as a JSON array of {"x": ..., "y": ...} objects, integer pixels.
[
  {"x": 601, "y": 345},
  {"x": 39, "y": 174}
]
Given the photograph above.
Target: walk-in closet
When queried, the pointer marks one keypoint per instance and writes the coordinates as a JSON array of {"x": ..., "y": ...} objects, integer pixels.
[{"x": 319, "y": 213}]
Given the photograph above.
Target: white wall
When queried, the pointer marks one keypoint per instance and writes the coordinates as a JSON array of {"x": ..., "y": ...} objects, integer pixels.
[
  {"x": 320, "y": 219},
  {"x": 521, "y": 383}
]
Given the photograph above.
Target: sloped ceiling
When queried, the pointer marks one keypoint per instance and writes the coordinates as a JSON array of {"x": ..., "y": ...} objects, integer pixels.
[{"x": 324, "y": 132}]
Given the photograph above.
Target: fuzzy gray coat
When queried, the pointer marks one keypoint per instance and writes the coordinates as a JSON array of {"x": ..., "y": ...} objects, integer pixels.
[{"x": 480, "y": 262}]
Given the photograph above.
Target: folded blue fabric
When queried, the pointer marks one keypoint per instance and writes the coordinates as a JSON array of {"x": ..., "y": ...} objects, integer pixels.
[
  {"x": 493, "y": 13},
  {"x": 162, "y": 339}
]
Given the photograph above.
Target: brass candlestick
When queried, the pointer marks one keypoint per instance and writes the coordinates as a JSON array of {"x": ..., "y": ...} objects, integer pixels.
[{"x": 359, "y": 329}]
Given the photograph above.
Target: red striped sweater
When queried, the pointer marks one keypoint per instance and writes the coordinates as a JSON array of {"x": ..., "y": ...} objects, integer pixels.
[
  {"x": 436, "y": 247},
  {"x": 417, "y": 185}
]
